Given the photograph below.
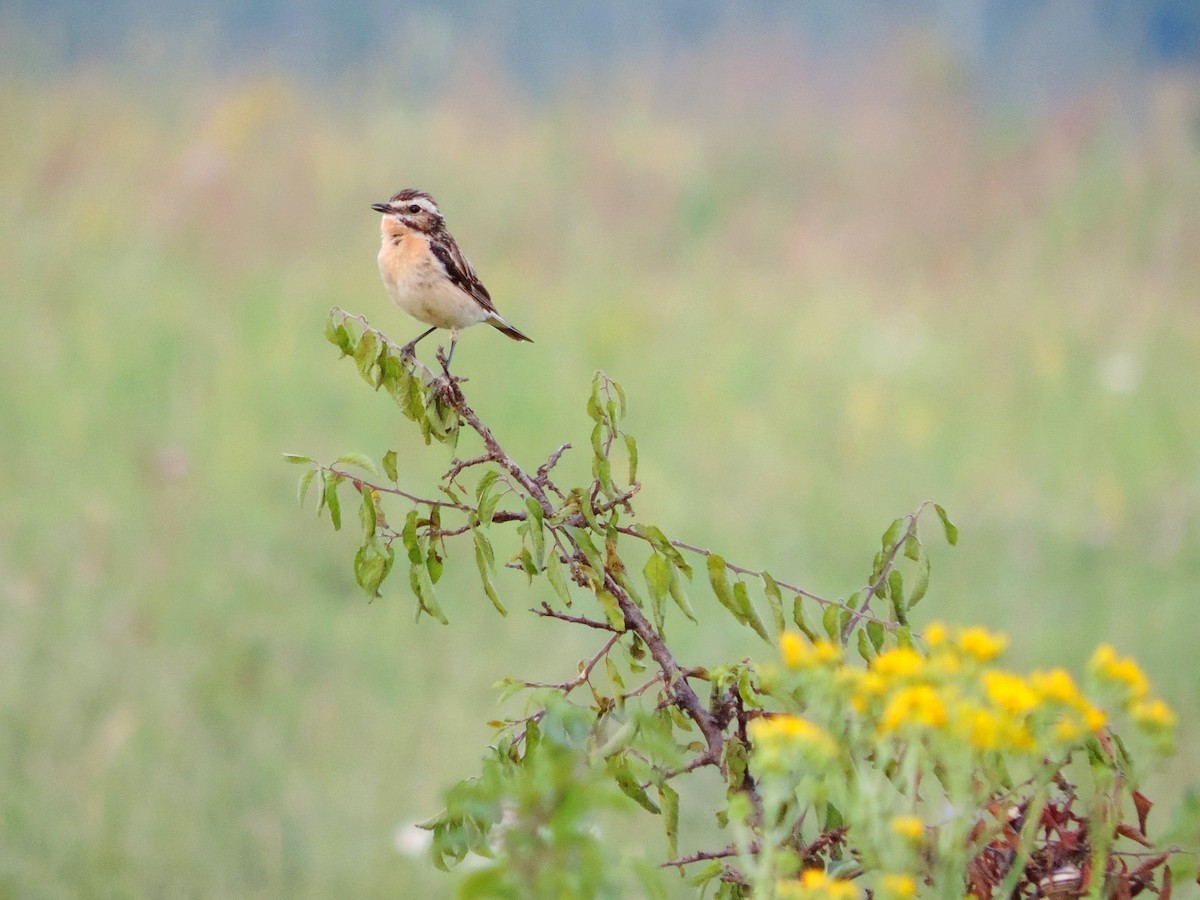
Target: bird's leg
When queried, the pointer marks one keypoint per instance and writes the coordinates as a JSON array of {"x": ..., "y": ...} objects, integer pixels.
[
  {"x": 453, "y": 343},
  {"x": 407, "y": 349}
]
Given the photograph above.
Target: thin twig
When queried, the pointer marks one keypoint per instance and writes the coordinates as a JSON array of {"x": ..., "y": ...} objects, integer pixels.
[
  {"x": 584, "y": 674},
  {"x": 699, "y": 857},
  {"x": 884, "y": 570},
  {"x": 548, "y": 612},
  {"x": 461, "y": 464}
]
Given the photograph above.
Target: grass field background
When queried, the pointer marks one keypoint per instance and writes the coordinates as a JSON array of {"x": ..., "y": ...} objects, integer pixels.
[{"x": 826, "y": 301}]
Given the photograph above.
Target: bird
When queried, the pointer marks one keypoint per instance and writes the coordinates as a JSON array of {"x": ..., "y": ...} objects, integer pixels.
[{"x": 426, "y": 273}]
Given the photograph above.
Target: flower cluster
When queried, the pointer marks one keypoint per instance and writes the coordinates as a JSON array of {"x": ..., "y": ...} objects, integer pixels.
[
  {"x": 954, "y": 689},
  {"x": 936, "y": 715},
  {"x": 1132, "y": 689}
]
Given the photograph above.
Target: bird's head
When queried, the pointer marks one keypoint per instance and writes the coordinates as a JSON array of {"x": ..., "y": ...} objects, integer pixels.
[{"x": 413, "y": 209}]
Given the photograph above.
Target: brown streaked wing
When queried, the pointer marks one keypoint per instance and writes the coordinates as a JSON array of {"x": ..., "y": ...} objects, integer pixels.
[{"x": 460, "y": 271}]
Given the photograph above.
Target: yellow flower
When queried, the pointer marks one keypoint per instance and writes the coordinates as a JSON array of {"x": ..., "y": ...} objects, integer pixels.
[
  {"x": 1093, "y": 718},
  {"x": 899, "y": 886},
  {"x": 909, "y": 827},
  {"x": 863, "y": 685},
  {"x": 1056, "y": 685},
  {"x": 901, "y": 662},
  {"x": 1122, "y": 670},
  {"x": 982, "y": 644},
  {"x": 814, "y": 884},
  {"x": 1067, "y": 729},
  {"x": 935, "y": 634},
  {"x": 797, "y": 654},
  {"x": 945, "y": 662},
  {"x": 774, "y": 735},
  {"x": 983, "y": 729},
  {"x": 1009, "y": 692},
  {"x": 918, "y": 705},
  {"x": 1153, "y": 714}
]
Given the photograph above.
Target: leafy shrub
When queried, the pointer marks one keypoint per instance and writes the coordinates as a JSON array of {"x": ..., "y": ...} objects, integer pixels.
[{"x": 861, "y": 756}]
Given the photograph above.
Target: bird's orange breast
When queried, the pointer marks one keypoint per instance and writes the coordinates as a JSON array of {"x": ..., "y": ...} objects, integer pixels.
[{"x": 401, "y": 254}]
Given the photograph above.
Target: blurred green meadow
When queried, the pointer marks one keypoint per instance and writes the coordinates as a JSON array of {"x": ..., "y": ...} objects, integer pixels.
[{"x": 826, "y": 302}]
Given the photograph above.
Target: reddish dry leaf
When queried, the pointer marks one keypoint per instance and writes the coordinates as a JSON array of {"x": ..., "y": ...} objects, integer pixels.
[
  {"x": 1142, "y": 804},
  {"x": 1150, "y": 865},
  {"x": 1133, "y": 834},
  {"x": 1164, "y": 892}
]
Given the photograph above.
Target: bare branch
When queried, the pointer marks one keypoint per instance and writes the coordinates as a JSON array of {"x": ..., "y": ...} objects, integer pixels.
[
  {"x": 699, "y": 857},
  {"x": 549, "y": 612},
  {"x": 459, "y": 465},
  {"x": 585, "y": 673}
]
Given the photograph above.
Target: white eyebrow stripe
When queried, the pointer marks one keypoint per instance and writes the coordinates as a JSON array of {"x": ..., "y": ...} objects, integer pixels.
[{"x": 427, "y": 204}]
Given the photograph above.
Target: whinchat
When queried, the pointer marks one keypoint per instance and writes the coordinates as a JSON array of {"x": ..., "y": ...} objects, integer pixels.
[{"x": 427, "y": 274}]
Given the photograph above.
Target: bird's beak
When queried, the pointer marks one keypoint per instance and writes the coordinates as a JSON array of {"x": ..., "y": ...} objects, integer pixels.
[{"x": 385, "y": 208}]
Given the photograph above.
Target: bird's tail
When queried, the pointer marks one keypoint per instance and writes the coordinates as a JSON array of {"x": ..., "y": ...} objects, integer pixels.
[{"x": 500, "y": 325}]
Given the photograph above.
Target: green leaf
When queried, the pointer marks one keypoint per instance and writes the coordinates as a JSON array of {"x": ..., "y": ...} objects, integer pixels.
[
  {"x": 612, "y": 608},
  {"x": 619, "y": 768},
  {"x": 409, "y": 535},
  {"x": 527, "y": 564},
  {"x": 654, "y": 535},
  {"x": 371, "y": 566},
  {"x": 433, "y": 562},
  {"x": 632, "y": 452},
  {"x": 831, "y": 622},
  {"x": 589, "y": 512},
  {"x": 614, "y": 674},
  {"x": 864, "y": 647},
  {"x": 657, "y": 573},
  {"x": 680, "y": 596},
  {"x": 833, "y": 818},
  {"x": 775, "y": 599},
  {"x": 297, "y": 458},
  {"x": 302, "y": 488},
  {"x": 719, "y": 580},
  {"x": 912, "y": 546},
  {"x": 555, "y": 575},
  {"x": 896, "y": 594},
  {"x": 367, "y": 514},
  {"x": 875, "y": 633},
  {"x": 365, "y": 353},
  {"x": 389, "y": 465},
  {"x": 485, "y": 560},
  {"x": 338, "y": 335},
  {"x": 584, "y": 542},
  {"x": 893, "y": 533},
  {"x": 331, "y": 500},
  {"x": 622, "y": 578},
  {"x": 950, "y": 528},
  {"x": 536, "y": 534},
  {"x": 620, "y": 396},
  {"x": 741, "y": 596},
  {"x": 487, "y": 504},
  {"x": 703, "y": 876},
  {"x": 358, "y": 459},
  {"x": 485, "y": 482},
  {"x": 668, "y": 801},
  {"x": 598, "y": 441},
  {"x": 602, "y": 470},
  {"x": 418, "y": 577},
  {"x": 921, "y": 585},
  {"x": 801, "y": 620}
]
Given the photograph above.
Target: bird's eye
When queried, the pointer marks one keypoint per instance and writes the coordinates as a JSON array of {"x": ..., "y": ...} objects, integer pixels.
[{"x": 414, "y": 208}]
